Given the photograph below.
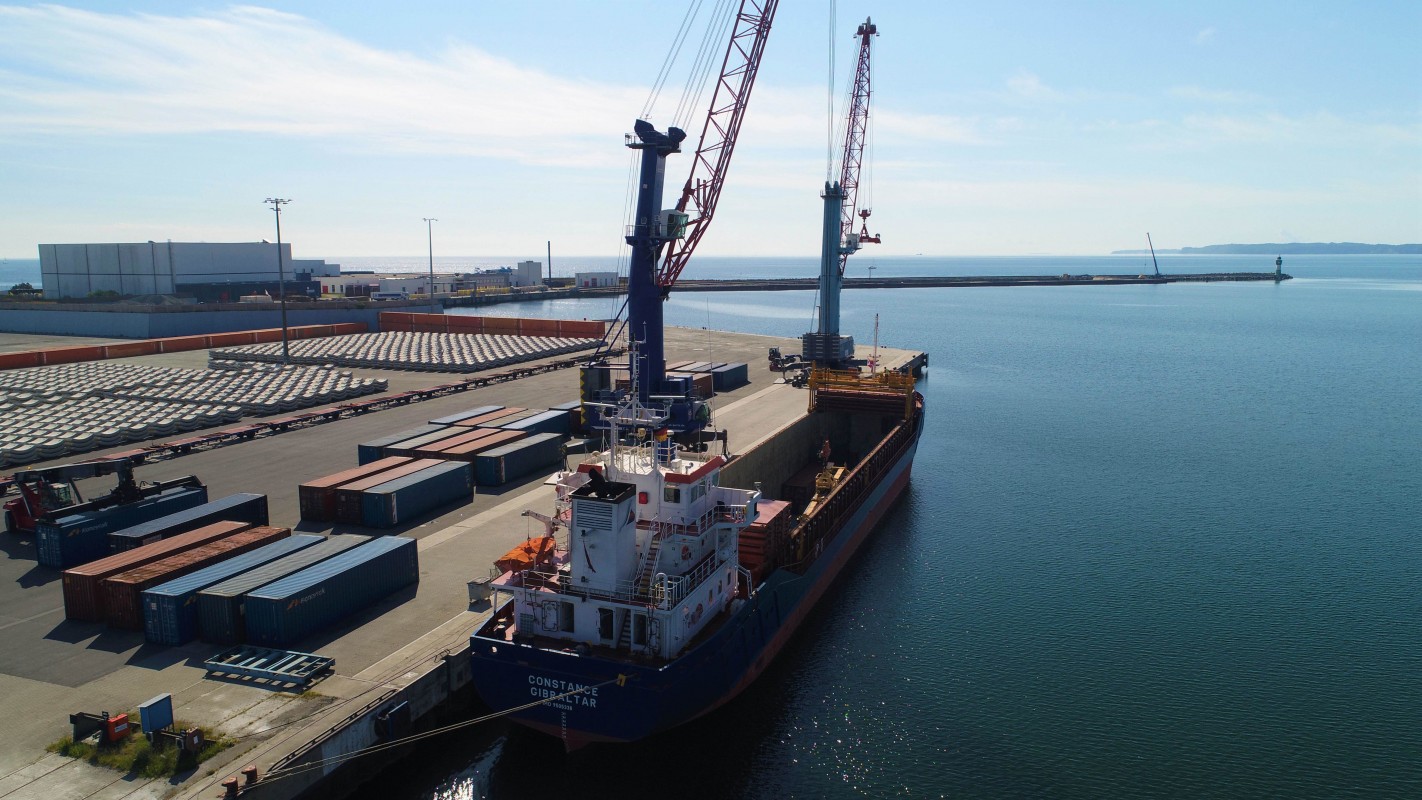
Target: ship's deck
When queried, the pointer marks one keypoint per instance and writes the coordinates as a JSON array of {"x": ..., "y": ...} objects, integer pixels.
[{"x": 50, "y": 667}]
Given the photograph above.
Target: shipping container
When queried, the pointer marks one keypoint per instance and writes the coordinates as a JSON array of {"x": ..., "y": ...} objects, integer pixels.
[
  {"x": 404, "y": 499},
  {"x": 374, "y": 450},
  {"x": 513, "y": 461},
  {"x": 434, "y": 450},
  {"x": 81, "y": 538},
  {"x": 729, "y": 377},
  {"x": 575, "y": 415},
  {"x": 467, "y": 451},
  {"x": 409, "y": 446},
  {"x": 348, "y": 504},
  {"x": 491, "y": 418},
  {"x": 546, "y": 422},
  {"x": 281, "y": 614},
  {"x": 82, "y": 597},
  {"x": 318, "y": 497},
  {"x": 123, "y": 593},
  {"x": 453, "y": 419},
  {"x": 170, "y": 610},
  {"x": 221, "y": 607},
  {"x": 242, "y": 507}
]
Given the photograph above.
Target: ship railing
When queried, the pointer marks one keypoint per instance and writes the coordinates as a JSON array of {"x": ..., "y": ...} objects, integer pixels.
[
  {"x": 672, "y": 589},
  {"x": 718, "y": 514}
]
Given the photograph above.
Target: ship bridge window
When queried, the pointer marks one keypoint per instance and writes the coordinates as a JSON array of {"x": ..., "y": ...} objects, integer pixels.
[
  {"x": 671, "y": 494},
  {"x": 698, "y": 491}
]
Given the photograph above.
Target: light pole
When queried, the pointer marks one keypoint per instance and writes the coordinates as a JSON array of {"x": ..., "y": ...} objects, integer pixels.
[
  {"x": 277, "y": 203},
  {"x": 429, "y": 229}
]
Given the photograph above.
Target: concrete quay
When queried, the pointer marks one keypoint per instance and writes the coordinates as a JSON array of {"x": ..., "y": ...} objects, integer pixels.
[{"x": 410, "y": 647}]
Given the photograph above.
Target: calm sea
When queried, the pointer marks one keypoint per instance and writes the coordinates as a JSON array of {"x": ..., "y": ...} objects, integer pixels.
[{"x": 1161, "y": 542}]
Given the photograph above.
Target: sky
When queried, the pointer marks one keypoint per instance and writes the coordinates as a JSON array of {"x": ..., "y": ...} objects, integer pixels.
[{"x": 1008, "y": 128}]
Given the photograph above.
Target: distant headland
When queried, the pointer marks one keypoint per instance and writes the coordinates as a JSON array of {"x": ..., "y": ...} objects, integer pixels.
[{"x": 1294, "y": 248}]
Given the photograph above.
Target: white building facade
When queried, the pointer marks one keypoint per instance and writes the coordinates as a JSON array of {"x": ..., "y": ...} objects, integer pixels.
[{"x": 78, "y": 270}]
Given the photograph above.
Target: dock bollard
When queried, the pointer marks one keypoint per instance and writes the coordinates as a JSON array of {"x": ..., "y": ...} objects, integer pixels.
[
  {"x": 229, "y": 787},
  {"x": 249, "y": 773}
]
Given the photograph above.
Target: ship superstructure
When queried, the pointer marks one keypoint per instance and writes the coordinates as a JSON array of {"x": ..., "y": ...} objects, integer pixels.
[{"x": 645, "y": 548}]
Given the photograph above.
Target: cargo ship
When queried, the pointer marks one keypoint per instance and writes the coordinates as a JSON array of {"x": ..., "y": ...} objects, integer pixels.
[{"x": 661, "y": 590}]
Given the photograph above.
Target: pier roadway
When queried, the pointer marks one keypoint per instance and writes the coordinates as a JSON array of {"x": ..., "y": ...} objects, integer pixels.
[{"x": 50, "y": 667}]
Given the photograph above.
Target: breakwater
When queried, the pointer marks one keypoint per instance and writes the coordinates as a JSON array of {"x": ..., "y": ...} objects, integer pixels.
[{"x": 791, "y": 284}]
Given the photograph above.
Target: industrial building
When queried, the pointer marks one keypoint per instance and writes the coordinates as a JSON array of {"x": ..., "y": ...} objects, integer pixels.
[
  {"x": 211, "y": 271},
  {"x": 595, "y": 280}
]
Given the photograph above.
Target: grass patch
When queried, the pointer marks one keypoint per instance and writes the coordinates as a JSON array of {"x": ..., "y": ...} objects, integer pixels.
[{"x": 136, "y": 756}]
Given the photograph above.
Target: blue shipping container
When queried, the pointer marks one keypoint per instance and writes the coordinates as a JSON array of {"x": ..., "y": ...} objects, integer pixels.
[
  {"x": 729, "y": 376},
  {"x": 81, "y": 538},
  {"x": 282, "y": 613},
  {"x": 453, "y": 419},
  {"x": 558, "y": 422},
  {"x": 221, "y": 607},
  {"x": 513, "y": 461},
  {"x": 170, "y": 610},
  {"x": 403, "y": 499},
  {"x": 367, "y": 452},
  {"x": 243, "y": 507}
]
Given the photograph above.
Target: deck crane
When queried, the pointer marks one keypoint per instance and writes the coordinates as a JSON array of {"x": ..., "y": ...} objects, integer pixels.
[
  {"x": 679, "y": 229},
  {"x": 839, "y": 239}
]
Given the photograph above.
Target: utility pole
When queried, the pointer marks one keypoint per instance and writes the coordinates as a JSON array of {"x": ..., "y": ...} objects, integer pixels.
[
  {"x": 550, "y": 261},
  {"x": 429, "y": 229},
  {"x": 277, "y": 203}
]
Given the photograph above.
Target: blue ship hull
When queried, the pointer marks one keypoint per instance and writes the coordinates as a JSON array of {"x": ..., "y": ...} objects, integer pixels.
[{"x": 655, "y": 698}]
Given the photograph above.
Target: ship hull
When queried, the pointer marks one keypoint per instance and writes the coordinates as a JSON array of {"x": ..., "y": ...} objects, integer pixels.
[{"x": 654, "y": 698}]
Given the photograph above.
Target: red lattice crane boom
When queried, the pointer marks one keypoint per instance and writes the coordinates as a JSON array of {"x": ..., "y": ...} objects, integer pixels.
[{"x": 718, "y": 135}]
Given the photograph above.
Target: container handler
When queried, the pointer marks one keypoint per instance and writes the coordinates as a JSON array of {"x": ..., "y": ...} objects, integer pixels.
[{"x": 50, "y": 493}]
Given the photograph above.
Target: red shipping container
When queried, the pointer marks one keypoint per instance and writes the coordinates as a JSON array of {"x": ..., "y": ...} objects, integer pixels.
[
  {"x": 82, "y": 597},
  {"x": 123, "y": 593},
  {"x": 318, "y": 497},
  {"x": 485, "y": 419},
  {"x": 21, "y": 360},
  {"x": 466, "y": 452},
  {"x": 460, "y": 323},
  {"x": 433, "y": 449},
  {"x": 72, "y": 355},
  {"x": 147, "y": 347}
]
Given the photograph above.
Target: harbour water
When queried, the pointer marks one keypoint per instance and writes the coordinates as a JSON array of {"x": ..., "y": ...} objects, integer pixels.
[{"x": 1161, "y": 541}]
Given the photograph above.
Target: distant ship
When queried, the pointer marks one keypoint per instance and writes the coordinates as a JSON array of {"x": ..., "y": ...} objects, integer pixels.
[{"x": 661, "y": 592}]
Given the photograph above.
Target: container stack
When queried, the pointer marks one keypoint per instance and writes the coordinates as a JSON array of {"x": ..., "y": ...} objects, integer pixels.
[
  {"x": 764, "y": 541},
  {"x": 83, "y": 599},
  {"x": 406, "y": 498},
  {"x": 170, "y": 610},
  {"x": 81, "y": 538},
  {"x": 280, "y": 614},
  {"x": 221, "y": 607},
  {"x": 513, "y": 461},
  {"x": 241, "y": 507},
  {"x": 123, "y": 593},
  {"x": 318, "y": 497}
]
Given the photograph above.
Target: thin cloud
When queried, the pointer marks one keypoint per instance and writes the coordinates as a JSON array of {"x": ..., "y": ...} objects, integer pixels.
[
  {"x": 1204, "y": 36},
  {"x": 1221, "y": 96},
  {"x": 255, "y": 70},
  {"x": 1028, "y": 86}
]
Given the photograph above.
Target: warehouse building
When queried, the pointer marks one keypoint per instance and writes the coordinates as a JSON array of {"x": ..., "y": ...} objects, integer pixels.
[{"x": 212, "y": 272}]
